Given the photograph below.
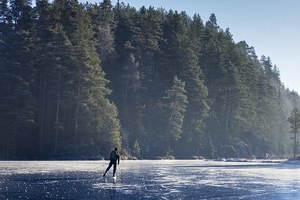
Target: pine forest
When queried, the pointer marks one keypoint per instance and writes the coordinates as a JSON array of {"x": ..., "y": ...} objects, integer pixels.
[{"x": 77, "y": 80}]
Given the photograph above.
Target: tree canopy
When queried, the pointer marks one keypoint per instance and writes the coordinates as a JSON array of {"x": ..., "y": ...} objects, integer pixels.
[{"x": 79, "y": 79}]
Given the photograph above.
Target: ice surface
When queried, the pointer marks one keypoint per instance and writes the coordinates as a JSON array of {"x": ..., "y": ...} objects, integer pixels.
[{"x": 171, "y": 179}]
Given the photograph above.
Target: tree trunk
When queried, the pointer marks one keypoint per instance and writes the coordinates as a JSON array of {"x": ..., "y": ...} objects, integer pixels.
[
  {"x": 42, "y": 110},
  {"x": 57, "y": 112},
  {"x": 76, "y": 111}
]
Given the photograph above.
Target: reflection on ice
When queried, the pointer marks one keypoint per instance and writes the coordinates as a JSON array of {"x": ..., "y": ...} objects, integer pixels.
[
  {"x": 174, "y": 179},
  {"x": 210, "y": 180}
]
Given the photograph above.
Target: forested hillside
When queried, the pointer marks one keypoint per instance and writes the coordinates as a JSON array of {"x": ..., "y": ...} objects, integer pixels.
[{"x": 77, "y": 80}]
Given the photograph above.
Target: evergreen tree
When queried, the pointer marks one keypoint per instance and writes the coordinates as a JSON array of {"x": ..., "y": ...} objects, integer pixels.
[
  {"x": 197, "y": 110},
  {"x": 98, "y": 115},
  {"x": 73, "y": 92},
  {"x": 294, "y": 120},
  {"x": 16, "y": 78},
  {"x": 103, "y": 23},
  {"x": 21, "y": 14},
  {"x": 175, "y": 103}
]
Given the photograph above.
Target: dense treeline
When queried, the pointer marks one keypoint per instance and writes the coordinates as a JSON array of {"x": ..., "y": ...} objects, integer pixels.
[{"x": 77, "y": 80}]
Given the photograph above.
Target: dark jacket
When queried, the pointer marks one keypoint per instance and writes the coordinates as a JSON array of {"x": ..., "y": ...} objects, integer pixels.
[{"x": 114, "y": 156}]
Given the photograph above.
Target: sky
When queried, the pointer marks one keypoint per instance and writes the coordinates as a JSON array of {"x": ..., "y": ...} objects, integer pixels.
[{"x": 272, "y": 27}]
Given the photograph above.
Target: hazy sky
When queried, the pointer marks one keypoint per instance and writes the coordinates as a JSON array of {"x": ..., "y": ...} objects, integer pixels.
[{"x": 272, "y": 27}]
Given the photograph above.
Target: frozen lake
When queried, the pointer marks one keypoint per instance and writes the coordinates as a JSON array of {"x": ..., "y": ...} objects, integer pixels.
[{"x": 173, "y": 179}]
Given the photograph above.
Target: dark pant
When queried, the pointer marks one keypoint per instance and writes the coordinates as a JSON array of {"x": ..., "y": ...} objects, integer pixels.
[{"x": 109, "y": 166}]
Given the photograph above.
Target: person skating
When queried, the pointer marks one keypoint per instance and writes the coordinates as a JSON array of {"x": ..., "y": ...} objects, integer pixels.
[{"x": 114, "y": 158}]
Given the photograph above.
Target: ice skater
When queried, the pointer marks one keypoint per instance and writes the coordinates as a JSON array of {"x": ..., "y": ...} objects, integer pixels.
[{"x": 114, "y": 157}]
